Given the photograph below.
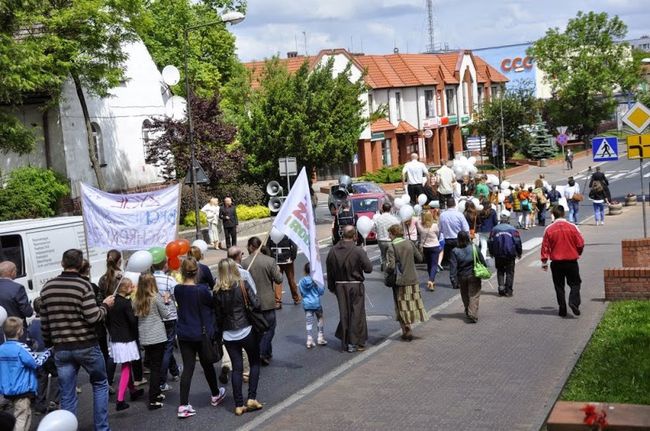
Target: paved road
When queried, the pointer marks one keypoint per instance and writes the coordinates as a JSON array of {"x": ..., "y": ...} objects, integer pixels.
[{"x": 294, "y": 367}]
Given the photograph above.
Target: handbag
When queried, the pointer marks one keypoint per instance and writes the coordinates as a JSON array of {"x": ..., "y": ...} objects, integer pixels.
[
  {"x": 480, "y": 271},
  {"x": 577, "y": 197},
  {"x": 211, "y": 349},
  {"x": 390, "y": 278},
  {"x": 255, "y": 317}
]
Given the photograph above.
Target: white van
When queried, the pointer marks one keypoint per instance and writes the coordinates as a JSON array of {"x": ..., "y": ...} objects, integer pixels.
[{"x": 37, "y": 245}]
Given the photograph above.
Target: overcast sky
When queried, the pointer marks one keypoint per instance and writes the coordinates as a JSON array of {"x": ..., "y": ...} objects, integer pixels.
[{"x": 377, "y": 26}]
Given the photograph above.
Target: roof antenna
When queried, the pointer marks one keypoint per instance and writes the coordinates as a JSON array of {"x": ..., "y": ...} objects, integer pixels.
[{"x": 304, "y": 35}]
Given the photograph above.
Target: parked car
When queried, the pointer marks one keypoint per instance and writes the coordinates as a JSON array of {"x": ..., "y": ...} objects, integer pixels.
[
  {"x": 357, "y": 188},
  {"x": 362, "y": 204}
]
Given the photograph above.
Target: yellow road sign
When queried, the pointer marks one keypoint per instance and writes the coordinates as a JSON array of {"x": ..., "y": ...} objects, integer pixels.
[
  {"x": 637, "y": 117},
  {"x": 638, "y": 147}
]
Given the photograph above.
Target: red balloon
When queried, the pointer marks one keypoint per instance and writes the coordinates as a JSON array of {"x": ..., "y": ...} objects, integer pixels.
[
  {"x": 174, "y": 263},
  {"x": 183, "y": 245},
  {"x": 173, "y": 249}
]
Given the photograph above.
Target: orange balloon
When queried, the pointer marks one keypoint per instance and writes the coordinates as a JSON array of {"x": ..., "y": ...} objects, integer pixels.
[
  {"x": 174, "y": 263},
  {"x": 173, "y": 249},
  {"x": 183, "y": 245}
]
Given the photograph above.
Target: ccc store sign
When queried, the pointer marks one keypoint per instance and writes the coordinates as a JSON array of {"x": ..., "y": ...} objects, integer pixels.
[{"x": 517, "y": 64}]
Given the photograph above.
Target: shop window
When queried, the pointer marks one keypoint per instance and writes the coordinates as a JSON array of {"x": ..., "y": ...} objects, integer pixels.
[
  {"x": 450, "y": 96},
  {"x": 98, "y": 143},
  {"x": 11, "y": 249},
  {"x": 429, "y": 104}
]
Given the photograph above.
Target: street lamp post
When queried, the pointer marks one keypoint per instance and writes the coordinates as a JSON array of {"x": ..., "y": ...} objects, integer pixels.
[
  {"x": 228, "y": 17},
  {"x": 503, "y": 142}
]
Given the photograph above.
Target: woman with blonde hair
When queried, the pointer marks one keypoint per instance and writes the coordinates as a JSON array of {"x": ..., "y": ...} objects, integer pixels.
[
  {"x": 429, "y": 231},
  {"x": 195, "y": 319},
  {"x": 230, "y": 296},
  {"x": 150, "y": 309}
]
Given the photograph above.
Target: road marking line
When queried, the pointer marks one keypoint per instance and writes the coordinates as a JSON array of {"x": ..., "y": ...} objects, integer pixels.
[{"x": 531, "y": 243}]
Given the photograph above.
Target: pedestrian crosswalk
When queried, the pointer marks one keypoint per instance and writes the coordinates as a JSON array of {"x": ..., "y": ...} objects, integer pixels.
[{"x": 614, "y": 175}]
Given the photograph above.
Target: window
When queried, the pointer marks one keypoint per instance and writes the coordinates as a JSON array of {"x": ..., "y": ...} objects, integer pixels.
[
  {"x": 385, "y": 152},
  {"x": 439, "y": 103},
  {"x": 479, "y": 96},
  {"x": 99, "y": 144},
  {"x": 370, "y": 103},
  {"x": 450, "y": 95},
  {"x": 465, "y": 98},
  {"x": 11, "y": 249},
  {"x": 494, "y": 91},
  {"x": 147, "y": 136},
  {"x": 429, "y": 104},
  {"x": 398, "y": 105}
]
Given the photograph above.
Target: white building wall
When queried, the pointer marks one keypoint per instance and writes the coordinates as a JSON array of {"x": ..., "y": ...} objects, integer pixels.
[
  {"x": 410, "y": 105},
  {"x": 32, "y": 117}
]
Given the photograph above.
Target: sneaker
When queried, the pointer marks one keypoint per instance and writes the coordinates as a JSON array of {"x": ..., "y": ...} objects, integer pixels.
[
  {"x": 352, "y": 348},
  {"x": 155, "y": 406},
  {"x": 223, "y": 377},
  {"x": 165, "y": 388},
  {"x": 575, "y": 309},
  {"x": 185, "y": 411},
  {"x": 310, "y": 342},
  {"x": 321, "y": 340},
  {"x": 160, "y": 398},
  {"x": 218, "y": 399},
  {"x": 121, "y": 405},
  {"x": 240, "y": 411},
  {"x": 252, "y": 405},
  {"x": 140, "y": 382}
]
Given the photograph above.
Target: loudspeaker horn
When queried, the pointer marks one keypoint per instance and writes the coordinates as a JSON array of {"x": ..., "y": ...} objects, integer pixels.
[
  {"x": 273, "y": 188},
  {"x": 274, "y": 204}
]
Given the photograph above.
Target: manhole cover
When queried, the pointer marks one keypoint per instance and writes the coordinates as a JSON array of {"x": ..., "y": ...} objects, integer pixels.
[{"x": 378, "y": 317}]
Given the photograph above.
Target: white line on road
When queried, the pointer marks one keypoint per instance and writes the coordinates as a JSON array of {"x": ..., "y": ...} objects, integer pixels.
[
  {"x": 617, "y": 176},
  {"x": 531, "y": 243}
]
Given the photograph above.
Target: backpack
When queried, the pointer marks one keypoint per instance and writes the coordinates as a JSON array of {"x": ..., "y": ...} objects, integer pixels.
[
  {"x": 541, "y": 197},
  {"x": 502, "y": 244},
  {"x": 597, "y": 186}
]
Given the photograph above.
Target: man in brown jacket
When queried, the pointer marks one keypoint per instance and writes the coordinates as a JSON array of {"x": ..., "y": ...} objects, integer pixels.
[
  {"x": 346, "y": 264},
  {"x": 265, "y": 272}
]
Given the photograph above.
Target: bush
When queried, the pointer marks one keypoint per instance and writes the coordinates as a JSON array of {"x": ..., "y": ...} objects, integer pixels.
[
  {"x": 187, "y": 201},
  {"x": 385, "y": 175},
  {"x": 190, "y": 219},
  {"x": 31, "y": 193},
  {"x": 245, "y": 212},
  {"x": 242, "y": 194}
]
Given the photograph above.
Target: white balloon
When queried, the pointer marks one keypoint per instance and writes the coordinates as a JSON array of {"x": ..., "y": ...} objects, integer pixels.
[
  {"x": 458, "y": 170},
  {"x": 202, "y": 245},
  {"x": 463, "y": 159},
  {"x": 461, "y": 205},
  {"x": 492, "y": 179},
  {"x": 505, "y": 185},
  {"x": 397, "y": 203},
  {"x": 476, "y": 202},
  {"x": 276, "y": 235},
  {"x": 406, "y": 212},
  {"x": 502, "y": 197},
  {"x": 472, "y": 170},
  {"x": 364, "y": 226},
  {"x": 417, "y": 209},
  {"x": 422, "y": 199},
  {"x": 59, "y": 420},
  {"x": 507, "y": 192},
  {"x": 479, "y": 207},
  {"x": 3, "y": 315},
  {"x": 133, "y": 276},
  {"x": 471, "y": 160},
  {"x": 140, "y": 261}
]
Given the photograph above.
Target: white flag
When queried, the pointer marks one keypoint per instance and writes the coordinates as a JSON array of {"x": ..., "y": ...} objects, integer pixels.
[
  {"x": 296, "y": 220},
  {"x": 130, "y": 222}
]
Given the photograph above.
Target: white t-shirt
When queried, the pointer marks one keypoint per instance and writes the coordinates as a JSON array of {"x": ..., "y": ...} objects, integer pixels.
[
  {"x": 446, "y": 180},
  {"x": 570, "y": 190},
  {"x": 416, "y": 172}
]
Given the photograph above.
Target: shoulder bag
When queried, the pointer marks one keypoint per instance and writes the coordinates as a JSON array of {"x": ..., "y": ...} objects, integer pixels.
[
  {"x": 211, "y": 349},
  {"x": 255, "y": 317},
  {"x": 480, "y": 271},
  {"x": 390, "y": 278}
]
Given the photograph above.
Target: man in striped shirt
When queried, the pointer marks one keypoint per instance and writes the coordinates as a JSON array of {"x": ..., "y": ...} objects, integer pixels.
[{"x": 69, "y": 314}]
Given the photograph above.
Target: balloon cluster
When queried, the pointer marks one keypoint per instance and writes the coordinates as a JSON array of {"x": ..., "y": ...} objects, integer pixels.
[
  {"x": 141, "y": 261},
  {"x": 464, "y": 166},
  {"x": 175, "y": 249}
]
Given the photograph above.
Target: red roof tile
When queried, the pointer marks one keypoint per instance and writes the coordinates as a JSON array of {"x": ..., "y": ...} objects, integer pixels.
[
  {"x": 381, "y": 125},
  {"x": 405, "y": 127}
]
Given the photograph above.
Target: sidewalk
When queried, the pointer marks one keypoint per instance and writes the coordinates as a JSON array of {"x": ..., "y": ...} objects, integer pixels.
[{"x": 503, "y": 373}]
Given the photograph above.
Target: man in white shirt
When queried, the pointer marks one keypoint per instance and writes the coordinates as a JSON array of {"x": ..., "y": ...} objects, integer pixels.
[
  {"x": 414, "y": 175},
  {"x": 573, "y": 198},
  {"x": 446, "y": 181},
  {"x": 451, "y": 223},
  {"x": 382, "y": 222}
]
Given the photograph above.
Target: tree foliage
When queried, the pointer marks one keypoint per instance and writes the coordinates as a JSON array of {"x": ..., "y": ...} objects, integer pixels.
[
  {"x": 211, "y": 56},
  {"x": 584, "y": 65},
  {"x": 31, "y": 193},
  {"x": 313, "y": 115},
  {"x": 515, "y": 109}
]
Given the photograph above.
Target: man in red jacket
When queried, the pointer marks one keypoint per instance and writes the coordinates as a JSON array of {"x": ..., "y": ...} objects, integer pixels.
[{"x": 563, "y": 244}]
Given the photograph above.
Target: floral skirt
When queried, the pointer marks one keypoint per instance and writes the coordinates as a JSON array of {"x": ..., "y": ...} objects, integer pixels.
[
  {"x": 124, "y": 352},
  {"x": 409, "y": 307}
]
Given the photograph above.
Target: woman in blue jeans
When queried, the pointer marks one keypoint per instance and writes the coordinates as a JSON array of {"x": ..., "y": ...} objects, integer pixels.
[
  {"x": 230, "y": 295},
  {"x": 598, "y": 196},
  {"x": 428, "y": 231}
]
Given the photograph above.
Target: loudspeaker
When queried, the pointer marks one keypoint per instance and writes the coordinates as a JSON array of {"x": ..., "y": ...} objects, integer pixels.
[
  {"x": 341, "y": 193},
  {"x": 273, "y": 188},
  {"x": 274, "y": 204}
]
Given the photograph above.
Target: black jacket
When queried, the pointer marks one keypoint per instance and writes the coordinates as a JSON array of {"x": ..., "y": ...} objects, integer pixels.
[
  {"x": 231, "y": 213},
  {"x": 598, "y": 176},
  {"x": 462, "y": 263},
  {"x": 121, "y": 322},
  {"x": 229, "y": 307},
  {"x": 285, "y": 251}
]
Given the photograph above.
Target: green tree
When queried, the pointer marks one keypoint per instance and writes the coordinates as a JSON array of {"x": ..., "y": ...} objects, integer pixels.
[
  {"x": 514, "y": 110},
  {"x": 313, "y": 115},
  {"x": 31, "y": 192},
  {"x": 585, "y": 64},
  {"x": 211, "y": 56},
  {"x": 542, "y": 145}
]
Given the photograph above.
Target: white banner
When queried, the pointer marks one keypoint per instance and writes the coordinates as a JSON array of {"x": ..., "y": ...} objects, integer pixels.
[
  {"x": 130, "y": 222},
  {"x": 296, "y": 220}
]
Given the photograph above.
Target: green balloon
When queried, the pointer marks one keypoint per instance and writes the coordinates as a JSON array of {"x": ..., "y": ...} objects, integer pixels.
[{"x": 158, "y": 254}]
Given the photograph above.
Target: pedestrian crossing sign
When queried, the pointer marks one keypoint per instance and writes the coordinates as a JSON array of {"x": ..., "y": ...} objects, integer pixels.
[{"x": 605, "y": 149}]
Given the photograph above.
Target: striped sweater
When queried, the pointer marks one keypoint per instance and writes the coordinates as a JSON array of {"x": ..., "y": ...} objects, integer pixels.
[{"x": 69, "y": 312}]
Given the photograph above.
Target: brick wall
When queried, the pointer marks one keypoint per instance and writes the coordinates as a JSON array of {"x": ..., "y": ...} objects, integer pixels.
[
  {"x": 627, "y": 283},
  {"x": 636, "y": 252}
]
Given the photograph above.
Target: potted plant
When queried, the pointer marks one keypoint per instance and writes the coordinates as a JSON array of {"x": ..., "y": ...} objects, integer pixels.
[
  {"x": 630, "y": 199},
  {"x": 615, "y": 207}
]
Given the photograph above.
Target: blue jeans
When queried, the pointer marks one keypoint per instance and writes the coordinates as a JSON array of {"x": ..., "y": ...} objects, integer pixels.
[
  {"x": 266, "y": 348},
  {"x": 574, "y": 207},
  {"x": 599, "y": 211},
  {"x": 431, "y": 255},
  {"x": 90, "y": 359},
  {"x": 169, "y": 362}
]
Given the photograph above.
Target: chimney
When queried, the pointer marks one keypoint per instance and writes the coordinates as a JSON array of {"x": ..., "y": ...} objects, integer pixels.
[{"x": 292, "y": 54}]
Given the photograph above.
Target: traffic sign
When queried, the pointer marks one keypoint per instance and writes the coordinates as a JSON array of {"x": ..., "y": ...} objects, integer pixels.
[
  {"x": 562, "y": 129},
  {"x": 287, "y": 166},
  {"x": 562, "y": 139},
  {"x": 637, "y": 117},
  {"x": 199, "y": 173},
  {"x": 604, "y": 149},
  {"x": 638, "y": 147}
]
